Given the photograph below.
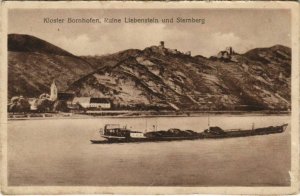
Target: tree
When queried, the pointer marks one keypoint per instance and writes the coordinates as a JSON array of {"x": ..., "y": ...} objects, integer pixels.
[
  {"x": 23, "y": 105},
  {"x": 18, "y": 104},
  {"x": 44, "y": 105},
  {"x": 60, "y": 106},
  {"x": 12, "y": 107}
]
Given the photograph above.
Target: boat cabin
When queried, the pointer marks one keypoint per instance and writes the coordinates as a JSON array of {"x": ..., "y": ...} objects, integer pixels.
[{"x": 115, "y": 130}]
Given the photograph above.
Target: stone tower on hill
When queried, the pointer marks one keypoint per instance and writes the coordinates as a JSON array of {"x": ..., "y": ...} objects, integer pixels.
[{"x": 162, "y": 44}]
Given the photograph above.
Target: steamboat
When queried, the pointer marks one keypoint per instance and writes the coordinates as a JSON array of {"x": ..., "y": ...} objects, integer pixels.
[{"x": 114, "y": 133}]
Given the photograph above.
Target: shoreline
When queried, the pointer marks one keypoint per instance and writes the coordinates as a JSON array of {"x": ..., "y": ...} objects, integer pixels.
[{"x": 140, "y": 114}]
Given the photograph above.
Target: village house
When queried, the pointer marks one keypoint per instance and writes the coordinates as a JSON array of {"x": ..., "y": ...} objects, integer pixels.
[
  {"x": 33, "y": 104},
  {"x": 92, "y": 102},
  {"x": 66, "y": 97},
  {"x": 72, "y": 101},
  {"x": 60, "y": 96}
]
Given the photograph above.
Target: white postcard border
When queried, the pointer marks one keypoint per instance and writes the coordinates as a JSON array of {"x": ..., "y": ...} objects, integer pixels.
[{"x": 293, "y": 6}]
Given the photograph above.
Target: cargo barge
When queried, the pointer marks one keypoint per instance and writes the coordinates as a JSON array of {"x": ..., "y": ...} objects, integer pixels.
[{"x": 115, "y": 133}]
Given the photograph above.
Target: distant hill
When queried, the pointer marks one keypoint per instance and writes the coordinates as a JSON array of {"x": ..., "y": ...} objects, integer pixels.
[
  {"x": 28, "y": 43},
  {"x": 33, "y": 64},
  {"x": 276, "y": 55},
  {"x": 161, "y": 78},
  {"x": 110, "y": 59}
]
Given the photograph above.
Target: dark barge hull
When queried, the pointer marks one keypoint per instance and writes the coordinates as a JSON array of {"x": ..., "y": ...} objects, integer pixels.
[
  {"x": 203, "y": 135},
  {"x": 132, "y": 140},
  {"x": 246, "y": 133}
]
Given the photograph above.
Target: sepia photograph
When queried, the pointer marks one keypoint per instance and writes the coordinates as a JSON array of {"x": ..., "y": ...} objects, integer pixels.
[{"x": 159, "y": 98}]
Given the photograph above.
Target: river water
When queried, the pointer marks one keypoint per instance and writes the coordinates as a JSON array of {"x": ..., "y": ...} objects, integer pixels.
[{"x": 58, "y": 152}]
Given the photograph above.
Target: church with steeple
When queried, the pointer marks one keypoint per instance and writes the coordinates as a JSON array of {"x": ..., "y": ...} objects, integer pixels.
[
  {"x": 72, "y": 100},
  {"x": 53, "y": 91}
]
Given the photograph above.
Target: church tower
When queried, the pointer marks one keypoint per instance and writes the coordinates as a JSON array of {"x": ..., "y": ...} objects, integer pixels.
[{"x": 53, "y": 91}]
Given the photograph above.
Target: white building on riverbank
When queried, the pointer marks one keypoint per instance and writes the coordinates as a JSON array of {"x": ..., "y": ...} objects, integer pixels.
[{"x": 92, "y": 102}]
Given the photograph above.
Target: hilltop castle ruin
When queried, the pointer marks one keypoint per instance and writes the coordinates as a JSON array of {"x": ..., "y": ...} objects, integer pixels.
[
  {"x": 163, "y": 50},
  {"x": 226, "y": 54}
]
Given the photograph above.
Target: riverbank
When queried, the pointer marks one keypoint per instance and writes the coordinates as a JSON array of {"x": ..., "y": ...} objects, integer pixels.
[{"x": 138, "y": 114}]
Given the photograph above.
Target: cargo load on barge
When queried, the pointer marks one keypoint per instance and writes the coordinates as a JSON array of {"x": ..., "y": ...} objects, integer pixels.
[{"x": 115, "y": 133}]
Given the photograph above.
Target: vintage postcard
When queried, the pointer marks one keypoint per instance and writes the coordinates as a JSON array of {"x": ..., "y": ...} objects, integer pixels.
[{"x": 150, "y": 97}]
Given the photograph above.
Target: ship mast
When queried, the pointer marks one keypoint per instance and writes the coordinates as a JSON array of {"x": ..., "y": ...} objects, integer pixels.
[
  {"x": 208, "y": 116},
  {"x": 155, "y": 126},
  {"x": 146, "y": 130},
  {"x": 208, "y": 122}
]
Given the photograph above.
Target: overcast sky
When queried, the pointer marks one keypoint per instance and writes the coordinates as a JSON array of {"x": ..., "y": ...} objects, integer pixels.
[{"x": 243, "y": 30}]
